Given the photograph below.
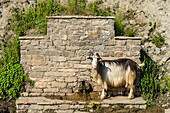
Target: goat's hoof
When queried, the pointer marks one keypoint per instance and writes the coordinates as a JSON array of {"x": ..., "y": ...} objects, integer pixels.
[
  {"x": 102, "y": 97},
  {"x": 130, "y": 96}
]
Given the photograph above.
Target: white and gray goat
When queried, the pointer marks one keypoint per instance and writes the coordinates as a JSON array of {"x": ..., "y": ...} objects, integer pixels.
[{"x": 114, "y": 73}]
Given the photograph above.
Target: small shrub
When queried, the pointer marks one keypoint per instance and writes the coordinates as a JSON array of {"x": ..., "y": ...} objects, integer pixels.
[{"x": 11, "y": 72}]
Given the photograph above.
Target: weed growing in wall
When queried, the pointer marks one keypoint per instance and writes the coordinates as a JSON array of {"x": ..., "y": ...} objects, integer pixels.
[{"x": 157, "y": 38}]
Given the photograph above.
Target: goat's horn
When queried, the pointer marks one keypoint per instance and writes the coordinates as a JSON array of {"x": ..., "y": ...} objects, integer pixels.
[{"x": 97, "y": 54}]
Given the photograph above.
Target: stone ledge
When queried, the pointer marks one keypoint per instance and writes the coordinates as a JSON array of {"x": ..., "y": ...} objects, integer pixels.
[
  {"x": 80, "y": 17},
  {"x": 41, "y": 104},
  {"x": 114, "y": 100},
  {"x": 32, "y": 37},
  {"x": 127, "y": 38}
]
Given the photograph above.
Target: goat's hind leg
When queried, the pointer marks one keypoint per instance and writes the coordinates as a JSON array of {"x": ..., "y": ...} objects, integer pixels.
[{"x": 131, "y": 85}]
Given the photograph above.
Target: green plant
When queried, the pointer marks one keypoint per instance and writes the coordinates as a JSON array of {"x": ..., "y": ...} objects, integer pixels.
[
  {"x": 129, "y": 32},
  {"x": 164, "y": 84},
  {"x": 34, "y": 17},
  {"x": 149, "y": 78},
  {"x": 11, "y": 72},
  {"x": 158, "y": 39},
  {"x": 95, "y": 106},
  {"x": 93, "y": 9},
  {"x": 119, "y": 23},
  {"x": 76, "y": 7},
  {"x": 121, "y": 26}
]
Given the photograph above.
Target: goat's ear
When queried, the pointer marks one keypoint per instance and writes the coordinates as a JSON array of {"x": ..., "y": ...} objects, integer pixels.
[
  {"x": 97, "y": 54},
  {"x": 90, "y": 58}
]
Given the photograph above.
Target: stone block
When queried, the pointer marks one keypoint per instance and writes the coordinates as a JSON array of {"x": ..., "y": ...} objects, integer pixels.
[
  {"x": 58, "y": 85},
  {"x": 51, "y": 90},
  {"x": 60, "y": 72},
  {"x": 51, "y": 74},
  {"x": 64, "y": 111},
  {"x": 38, "y": 57},
  {"x": 34, "y": 52},
  {"x": 34, "y": 111},
  {"x": 58, "y": 58},
  {"x": 36, "y": 107},
  {"x": 36, "y": 74},
  {"x": 57, "y": 47},
  {"x": 167, "y": 110},
  {"x": 40, "y": 84},
  {"x": 83, "y": 66},
  {"x": 70, "y": 79},
  {"x": 121, "y": 42},
  {"x": 36, "y": 90},
  {"x": 46, "y": 43},
  {"x": 26, "y": 57},
  {"x": 64, "y": 106},
  {"x": 35, "y": 42},
  {"x": 51, "y": 53},
  {"x": 36, "y": 63},
  {"x": 68, "y": 53},
  {"x": 40, "y": 68},
  {"x": 67, "y": 70},
  {"x": 133, "y": 42},
  {"x": 51, "y": 107},
  {"x": 22, "y": 107},
  {"x": 47, "y": 79},
  {"x": 66, "y": 90}
]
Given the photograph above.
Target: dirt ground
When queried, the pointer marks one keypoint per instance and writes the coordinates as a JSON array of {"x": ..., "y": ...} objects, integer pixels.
[{"x": 7, "y": 106}]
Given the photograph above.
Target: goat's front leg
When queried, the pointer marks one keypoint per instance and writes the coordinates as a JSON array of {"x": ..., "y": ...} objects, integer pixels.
[
  {"x": 104, "y": 87},
  {"x": 103, "y": 94}
]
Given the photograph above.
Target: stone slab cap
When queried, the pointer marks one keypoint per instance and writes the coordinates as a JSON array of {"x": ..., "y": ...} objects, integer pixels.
[
  {"x": 32, "y": 37},
  {"x": 80, "y": 17},
  {"x": 127, "y": 38}
]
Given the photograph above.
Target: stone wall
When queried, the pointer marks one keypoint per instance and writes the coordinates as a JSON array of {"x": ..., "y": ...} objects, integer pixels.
[{"x": 57, "y": 62}]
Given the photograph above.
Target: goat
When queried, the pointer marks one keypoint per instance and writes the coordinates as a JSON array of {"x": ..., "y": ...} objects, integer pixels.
[{"x": 115, "y": 73}]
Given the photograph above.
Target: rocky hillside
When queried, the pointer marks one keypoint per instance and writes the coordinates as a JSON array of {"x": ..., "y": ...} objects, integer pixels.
[{"x": 146, "y": 11}]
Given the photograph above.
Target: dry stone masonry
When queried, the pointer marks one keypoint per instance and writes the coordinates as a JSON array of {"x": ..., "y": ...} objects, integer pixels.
[{"x": 57, "y": 62}]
